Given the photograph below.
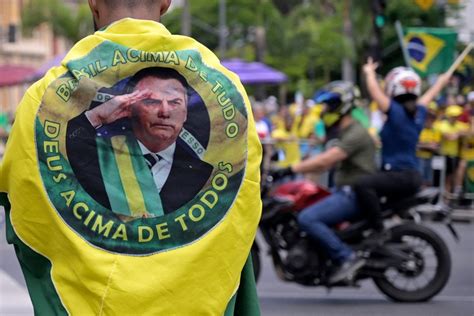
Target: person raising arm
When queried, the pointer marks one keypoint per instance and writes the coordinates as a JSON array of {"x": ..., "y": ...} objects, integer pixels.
[
  {"x": 406, "y": 113},
  {"x": 383, "y": 100}
]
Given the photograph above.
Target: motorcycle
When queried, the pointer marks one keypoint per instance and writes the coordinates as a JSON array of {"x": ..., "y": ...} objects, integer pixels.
[{"x": 408, "y": 262}]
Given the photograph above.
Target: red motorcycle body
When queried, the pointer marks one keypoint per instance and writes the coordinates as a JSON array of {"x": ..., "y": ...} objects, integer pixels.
[{"x": 302, "y": 193}]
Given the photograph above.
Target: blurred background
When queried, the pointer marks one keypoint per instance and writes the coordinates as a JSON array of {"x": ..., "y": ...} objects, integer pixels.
[
  {"x": 285, "y": 52},
  {"x": 311, "y": 41}
]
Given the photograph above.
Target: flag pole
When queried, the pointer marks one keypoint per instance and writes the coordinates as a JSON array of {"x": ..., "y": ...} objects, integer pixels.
[
  {"x": 399, "y": 28},
  {"x": 460, "y": 58}
]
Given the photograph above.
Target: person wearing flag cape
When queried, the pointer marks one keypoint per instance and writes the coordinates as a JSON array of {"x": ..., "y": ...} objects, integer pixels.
[{"x": 125, "y": 253}]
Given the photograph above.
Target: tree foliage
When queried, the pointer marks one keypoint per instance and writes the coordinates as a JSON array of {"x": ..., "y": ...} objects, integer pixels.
[
  {"x": 303, "y": 38},
  {"x": 294, "y": 34},
  {"x": 408, "y": 14},
  {"x": 71, "y": 23}
]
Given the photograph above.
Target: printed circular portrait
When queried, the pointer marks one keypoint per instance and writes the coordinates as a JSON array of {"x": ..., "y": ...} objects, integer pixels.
[{"x": 141, "y": 152}]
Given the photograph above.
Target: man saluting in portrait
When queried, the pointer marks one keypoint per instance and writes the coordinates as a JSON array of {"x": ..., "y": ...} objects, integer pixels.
[{"x": 157, "y": 171}]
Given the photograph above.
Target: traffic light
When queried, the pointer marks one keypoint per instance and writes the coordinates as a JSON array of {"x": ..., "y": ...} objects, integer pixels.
[
  {"x": 379, "y": 20},
  {"x": 378, "y": 8}
]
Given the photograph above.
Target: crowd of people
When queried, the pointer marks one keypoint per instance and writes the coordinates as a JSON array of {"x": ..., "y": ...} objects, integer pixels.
[
  {"x": 381, "y": 149},
  {"x": 294, "y": 132}
]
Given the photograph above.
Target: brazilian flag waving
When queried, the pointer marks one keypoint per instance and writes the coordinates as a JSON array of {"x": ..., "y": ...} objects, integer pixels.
[{"x": 430, "y": 50}]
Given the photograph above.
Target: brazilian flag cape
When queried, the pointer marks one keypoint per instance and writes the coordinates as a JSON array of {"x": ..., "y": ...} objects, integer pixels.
[{"x": 92, "y": 232}]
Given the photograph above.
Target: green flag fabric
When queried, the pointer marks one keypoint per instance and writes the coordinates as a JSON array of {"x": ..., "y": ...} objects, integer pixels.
[{"x": 430, "y": 50}]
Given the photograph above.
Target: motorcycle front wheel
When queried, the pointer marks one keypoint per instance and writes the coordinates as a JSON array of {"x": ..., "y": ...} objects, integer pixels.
[{"x": 426, "y": 270}]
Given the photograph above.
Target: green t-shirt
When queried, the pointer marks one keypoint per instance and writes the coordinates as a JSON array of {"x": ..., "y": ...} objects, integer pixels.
[
  {"x": 360, "y": 149},
  {"x": 4, "y": 122},
  {"x": 359, "y": 115}
]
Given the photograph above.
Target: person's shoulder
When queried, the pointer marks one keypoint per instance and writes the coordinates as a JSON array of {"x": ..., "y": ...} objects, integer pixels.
[
  {"x": 421, "y": 108},
  {"x": 36, "y": 90},
  {"x": 354, "y": 138},
  {"x": 431, "y": 130},
  {"x": 364, "y": 135},
  {"x": 462, "y": 126},
  {"x": 357, "y": 127},
  {"x": 34, "y": 94},
  {"x": 397, "y": 106},
  {"x": 437, "y": 124},
  {"x": 279, "y": 132},
  {"x": 447, "y": 127},
  {"x": 394, "y": 108},
  {"x": 355, "y": 131}
]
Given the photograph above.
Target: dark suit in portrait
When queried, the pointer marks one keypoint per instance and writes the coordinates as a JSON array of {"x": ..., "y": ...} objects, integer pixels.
[{"x": 187, "y": 176}]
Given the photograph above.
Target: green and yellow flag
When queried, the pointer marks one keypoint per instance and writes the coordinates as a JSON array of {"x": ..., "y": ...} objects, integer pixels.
[
  {"x": 149, "y": 207},
  {"x": 430, "y": 50}
]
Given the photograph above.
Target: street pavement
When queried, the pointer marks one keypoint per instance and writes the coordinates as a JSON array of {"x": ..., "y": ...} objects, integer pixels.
[
  {"x": 278, "y": 298},
  {"x": 14, "y": 299}
]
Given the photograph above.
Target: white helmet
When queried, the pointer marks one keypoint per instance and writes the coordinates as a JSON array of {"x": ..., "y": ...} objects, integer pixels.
[{"x": 402, "y": 80}]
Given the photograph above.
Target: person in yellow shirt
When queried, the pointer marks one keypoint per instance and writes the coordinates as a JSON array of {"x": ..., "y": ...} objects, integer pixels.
[
  {"x": 451, "y": 130},
  {"x": 428, "y": 145},
  {"x": 286, "y": 140},
  {"x": 303, "y": 126},
  {"x": 467, "y": 158}
]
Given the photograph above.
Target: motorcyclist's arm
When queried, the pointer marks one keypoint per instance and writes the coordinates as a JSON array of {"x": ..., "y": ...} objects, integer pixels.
[{"x": 320, "y": 162}]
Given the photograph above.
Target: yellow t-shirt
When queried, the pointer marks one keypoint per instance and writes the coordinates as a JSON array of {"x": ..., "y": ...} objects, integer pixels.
[
  {"x": 428, "y": 135},
  {"x": 290, "y": 148},
  {"x": 304, "y": 125},
  {"x": 450, "y": 147}
]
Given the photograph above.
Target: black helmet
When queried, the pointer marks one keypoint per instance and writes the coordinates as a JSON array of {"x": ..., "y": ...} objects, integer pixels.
[{"x": 339, "y": 98}]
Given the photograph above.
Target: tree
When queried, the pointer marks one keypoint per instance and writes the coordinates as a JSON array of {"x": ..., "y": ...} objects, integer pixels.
[
  {"x": 242, "y": 17},
  {"x": 293, "y": 38},
  {"x": 70, "y": 23},
  {"x": 305, "y": 38}
]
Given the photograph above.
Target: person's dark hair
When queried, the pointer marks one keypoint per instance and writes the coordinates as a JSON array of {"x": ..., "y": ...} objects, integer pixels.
[
  {"x": 130, "y": 3},
  {"x": 403, "y": 98},
  {"x": 408, "y": 101},
  {"x": 157, "y": 72}
]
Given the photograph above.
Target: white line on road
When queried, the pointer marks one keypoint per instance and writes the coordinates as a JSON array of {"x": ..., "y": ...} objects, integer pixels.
[{"x": 273, "y": 295}]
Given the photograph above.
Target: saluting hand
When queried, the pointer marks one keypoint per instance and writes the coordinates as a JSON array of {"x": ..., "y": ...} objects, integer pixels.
[{"x": 116, "y": 108}]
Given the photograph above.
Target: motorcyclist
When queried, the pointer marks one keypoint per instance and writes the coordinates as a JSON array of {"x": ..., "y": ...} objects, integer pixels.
[
  {"x": 406, "y": 113},
  {"x": 353, "y": 156}
]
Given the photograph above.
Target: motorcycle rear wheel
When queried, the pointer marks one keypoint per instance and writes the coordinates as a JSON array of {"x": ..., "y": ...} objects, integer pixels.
[{"x": 397, "y": 280}]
